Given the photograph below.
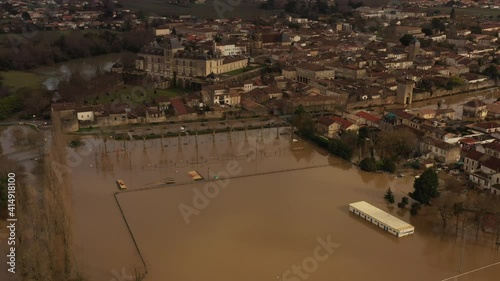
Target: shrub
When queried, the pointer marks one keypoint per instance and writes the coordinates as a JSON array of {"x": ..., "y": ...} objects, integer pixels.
[
  {"x": 404, "y": 200},
  {"x": 368, "y": 164},
  {"x": 389, "y": 166},
  {"x": 415, "y": 207}
]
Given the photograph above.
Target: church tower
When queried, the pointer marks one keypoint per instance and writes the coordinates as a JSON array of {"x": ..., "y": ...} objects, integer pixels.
[
  {"x": 404, "y": 94},
  {"x": 414, "y": 49}
]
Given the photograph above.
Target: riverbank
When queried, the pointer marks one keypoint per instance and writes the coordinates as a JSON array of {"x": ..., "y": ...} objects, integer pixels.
[{"x": 48, "y": 76}]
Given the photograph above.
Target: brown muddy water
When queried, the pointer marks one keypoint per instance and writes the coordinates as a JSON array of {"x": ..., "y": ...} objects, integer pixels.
[{"x": 255, "y": 227}]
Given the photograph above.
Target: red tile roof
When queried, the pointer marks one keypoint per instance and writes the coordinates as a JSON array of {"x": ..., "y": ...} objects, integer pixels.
[
  {"x": 325, "y": 120},
  {"x": 179, "y": 106},
  {"x": 494, "y": 145},
  {"x": 368, "y": 116},
  {"x": 475, "y": 103},
  {"x": 487, "y": 125},
  {"x": 344, "y": 123},
  {"x": 475, "y": 155},
  {"x": 468, "y": 141},
  {"x": 492, "y": 163}
]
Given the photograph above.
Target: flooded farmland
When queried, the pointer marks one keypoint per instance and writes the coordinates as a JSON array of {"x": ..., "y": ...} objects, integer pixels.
[{"x": 285, "y": 198}]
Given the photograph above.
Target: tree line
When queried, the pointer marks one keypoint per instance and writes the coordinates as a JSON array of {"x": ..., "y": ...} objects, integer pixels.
[
  {"x": 17, "y": 53},
  {"x": 33, "y": 102}
]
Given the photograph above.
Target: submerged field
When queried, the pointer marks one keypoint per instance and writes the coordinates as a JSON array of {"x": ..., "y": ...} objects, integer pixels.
[{"x": 283, "y": 196}]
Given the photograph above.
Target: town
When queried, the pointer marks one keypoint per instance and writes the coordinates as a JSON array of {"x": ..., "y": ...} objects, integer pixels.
[{"x": 165, "y": 123}]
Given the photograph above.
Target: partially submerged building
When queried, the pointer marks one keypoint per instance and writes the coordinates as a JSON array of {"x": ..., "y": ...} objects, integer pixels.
[{"x": 381, "y": 219}]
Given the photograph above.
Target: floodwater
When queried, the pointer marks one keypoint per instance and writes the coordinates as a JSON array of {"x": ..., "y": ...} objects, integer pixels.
[
  {"x": 253, "y": 227},
  {"x": 87, "y": 66}
]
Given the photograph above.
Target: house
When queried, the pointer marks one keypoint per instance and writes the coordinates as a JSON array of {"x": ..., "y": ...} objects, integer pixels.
[
  {"x": 163, "y": 102},
  {"x": 488, "y": 173},
  {"x": 327, "y": 127},
  {"x": 485, "y": 127},
  {"x": 446, "y": 113},
  {"x": 368, "y": 119},
  {"x": 273, "y": 92},
  {"x": 473, "y": 159},
  {"x": 475, "y": 108},
  {"x": 426, "y": 113},
  {"x": 493, "y": 148},
  {"x": 345, "y": 125},
  {"x": 118, "y": 111},
  {"x": 468, "y": 143},
  {"x": 179, "y": 107},
  {"x": 85, "y": 114},
  {"x": 493, "y": 110},
  {"x": 440, "y": 150}
]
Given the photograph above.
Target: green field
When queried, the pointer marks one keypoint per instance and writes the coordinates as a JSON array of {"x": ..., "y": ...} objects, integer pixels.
[
  {"x": 468, "y": 11},
  {"x": 135, "y": 95},
  {"x": 209, "y": 9},
  {"x": 19, "y": 79}
]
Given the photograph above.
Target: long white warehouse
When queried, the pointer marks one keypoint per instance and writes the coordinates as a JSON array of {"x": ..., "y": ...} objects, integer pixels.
[{"x": 381, "y": 219}]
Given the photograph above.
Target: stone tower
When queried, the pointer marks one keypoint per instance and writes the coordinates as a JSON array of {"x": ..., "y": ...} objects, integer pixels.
[
  {"x": 414, "y": 49},
  {"x": 257, "y": 42},
  {"x": 404, "y": 93}
]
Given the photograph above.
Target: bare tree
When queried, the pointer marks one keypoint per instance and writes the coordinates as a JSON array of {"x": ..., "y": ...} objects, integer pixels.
[
  {"x": 397, "y": 144},
  {"x": 458, "y": 213},
  {"x": 444, "y": 207}
]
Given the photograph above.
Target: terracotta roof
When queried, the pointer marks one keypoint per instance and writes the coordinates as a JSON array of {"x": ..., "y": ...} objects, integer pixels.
[
  {"x": 444, "y": 111},
  {"x": 326, "y": 120},
  {"x": 438, "y": 143},
  {"x": 468, "y": 141},
  {"x": 492, "y": 163},
  {"x": 487, "y": 125},
  {"x": 368, "y": 116},
  {"x": 343, "y": 122},
  {"x": 475, "y": 155},
  {"x": 179, "y": 107},
  {"x": 494, "y": 145},
  {"x": 475, "y": 103}
]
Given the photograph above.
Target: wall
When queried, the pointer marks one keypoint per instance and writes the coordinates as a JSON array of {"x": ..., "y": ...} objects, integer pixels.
[
  {"x": 107, "y": 121},
  {"x": 456, "y": 90},
  {"x": 375, "y": 102}
]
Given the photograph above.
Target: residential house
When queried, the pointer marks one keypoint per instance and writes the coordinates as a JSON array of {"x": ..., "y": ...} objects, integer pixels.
[
  {"x": 345, "y": 125},
  {"x": 426, "y": 113},
  {"x": 163, "y": 103},
  {"x": 85, "y": 114},
  {"x": 493, "y": 148},
  {"x": 475, "y": 108},
  {"x": 473, "y": 159},
  {"x": 446, "y": 113},
  {"x": 488, "y": 173},
  {"x": 327, "y": 126},
  {"x": 368, "y": 119},
  {"x": 440, "y": 150},
  {"x": 493, "y": 110},
  {"x": 485, "y": 127}
]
